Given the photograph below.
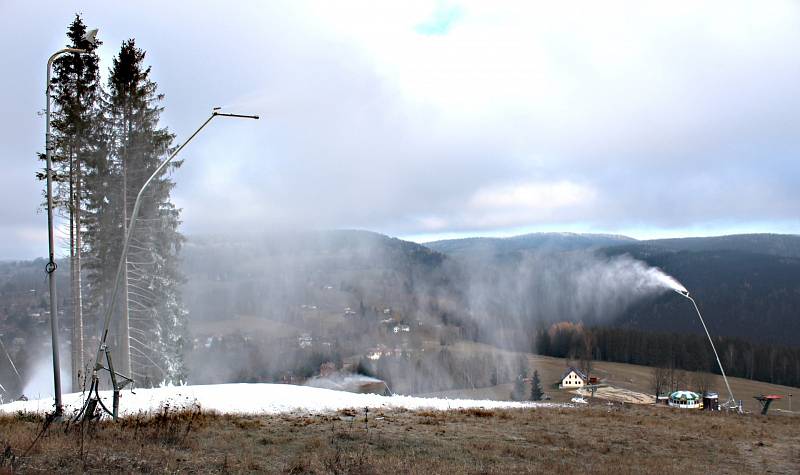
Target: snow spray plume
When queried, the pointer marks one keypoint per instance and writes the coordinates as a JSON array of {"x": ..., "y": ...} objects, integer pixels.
[
  {"x": 354, "y": 383},
  {"x": 550, "y": 287},
  {"x": 40, "y": 383}
]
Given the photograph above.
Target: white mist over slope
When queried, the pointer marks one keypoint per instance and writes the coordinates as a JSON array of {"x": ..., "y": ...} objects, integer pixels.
[
  {"x": 40, "y": 383},
  {"x": 260, "y": 399}
]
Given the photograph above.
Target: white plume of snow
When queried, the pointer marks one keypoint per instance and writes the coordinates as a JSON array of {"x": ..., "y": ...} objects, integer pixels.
[{"x": 40, "y": 383}]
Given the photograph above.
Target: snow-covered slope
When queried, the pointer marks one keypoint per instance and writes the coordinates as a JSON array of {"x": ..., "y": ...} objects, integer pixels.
[{"x": 259, "y": 399}]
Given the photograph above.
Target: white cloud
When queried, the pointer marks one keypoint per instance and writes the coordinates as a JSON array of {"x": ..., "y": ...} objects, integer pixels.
[{"x": 536, "y": 197}]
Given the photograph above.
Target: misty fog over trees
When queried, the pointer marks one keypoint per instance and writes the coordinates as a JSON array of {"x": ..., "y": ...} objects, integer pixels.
[{"x": 275, "y": 308}]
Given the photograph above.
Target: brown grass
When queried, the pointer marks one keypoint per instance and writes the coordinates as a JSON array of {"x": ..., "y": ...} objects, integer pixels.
[{"x": 593, "y": 439}]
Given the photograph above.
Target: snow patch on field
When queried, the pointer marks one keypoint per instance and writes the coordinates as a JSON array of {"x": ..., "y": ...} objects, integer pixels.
[{"x": 260, "y": 399}]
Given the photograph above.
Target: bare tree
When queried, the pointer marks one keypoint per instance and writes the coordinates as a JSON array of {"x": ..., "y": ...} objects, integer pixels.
[
  {"x": 701, "y": 381},
  {"x": 587, "y": 353},
  {"x": 681, "y": 379},
  {"x": 659, "y": 380}
]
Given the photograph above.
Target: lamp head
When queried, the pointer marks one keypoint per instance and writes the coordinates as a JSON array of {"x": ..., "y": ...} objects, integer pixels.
[{"x": 91, "y": 36}]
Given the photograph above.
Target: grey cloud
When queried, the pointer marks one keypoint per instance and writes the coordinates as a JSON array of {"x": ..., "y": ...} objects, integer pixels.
[{"x": 694, "y": 128}]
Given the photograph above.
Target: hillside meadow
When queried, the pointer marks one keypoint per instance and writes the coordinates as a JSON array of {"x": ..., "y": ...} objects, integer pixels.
[{"x": 595, "y": 439}]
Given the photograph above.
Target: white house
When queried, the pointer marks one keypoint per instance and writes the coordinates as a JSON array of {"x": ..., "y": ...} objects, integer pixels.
[
  {"x": 573, "y": 378},
  {"x": 305, "y": 340}
]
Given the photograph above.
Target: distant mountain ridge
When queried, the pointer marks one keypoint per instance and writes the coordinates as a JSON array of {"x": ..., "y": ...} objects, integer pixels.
[
  {"x": 548, "y": 242},
  {"x": 787, "y": 245}
]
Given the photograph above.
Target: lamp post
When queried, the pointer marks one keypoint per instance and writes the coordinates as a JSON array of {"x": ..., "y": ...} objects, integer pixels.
[
  {"x": 51, "y": 266},
  {"x": 91, "y": 402}
]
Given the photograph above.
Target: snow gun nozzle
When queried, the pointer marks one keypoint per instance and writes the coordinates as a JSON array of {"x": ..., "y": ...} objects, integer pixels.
[{"x": 683, "y": 292}]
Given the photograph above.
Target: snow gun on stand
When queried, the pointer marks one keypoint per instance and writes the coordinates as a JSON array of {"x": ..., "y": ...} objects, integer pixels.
[
  {"x": 731, "y": 402},
  {"x": 119, "y": 380}
]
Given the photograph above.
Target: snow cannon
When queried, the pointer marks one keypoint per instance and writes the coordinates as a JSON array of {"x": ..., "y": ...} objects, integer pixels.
[{"x": 731, "y": 403}]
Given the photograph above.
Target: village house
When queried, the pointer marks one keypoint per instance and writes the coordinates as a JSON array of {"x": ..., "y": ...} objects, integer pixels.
[
  {"x": 573, "y": 378},
  {"x": 305, "y": 340}
]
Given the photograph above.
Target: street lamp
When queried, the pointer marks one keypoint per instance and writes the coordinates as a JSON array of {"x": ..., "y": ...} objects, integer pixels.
[
  {"x": 92, "y": 401},
  {"x": 51, "y": 266}
]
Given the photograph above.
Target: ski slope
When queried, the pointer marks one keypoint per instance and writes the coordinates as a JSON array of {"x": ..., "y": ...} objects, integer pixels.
[{"x": 259, "y": 399}]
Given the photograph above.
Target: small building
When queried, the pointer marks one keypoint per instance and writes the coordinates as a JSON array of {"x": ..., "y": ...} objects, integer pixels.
[
  {"x": 305, "y": 340},
  {"x": 353, "y": 383},
  {"x": 573, "y": 378},
  {"x": 401, "y": 328},
  {"x": 685, "y": 400},
  {"x": 710, "y": 401}
]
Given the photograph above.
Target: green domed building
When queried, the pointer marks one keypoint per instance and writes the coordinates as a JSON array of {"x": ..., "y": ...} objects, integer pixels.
[{"x": 685, "y": 400}]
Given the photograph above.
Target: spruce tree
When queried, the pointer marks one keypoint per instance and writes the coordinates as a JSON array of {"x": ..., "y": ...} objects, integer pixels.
[
  {"x": 151, "y": 317},
  {"x": 536, "y": 387},
  {"x": 77, "y": 142}
]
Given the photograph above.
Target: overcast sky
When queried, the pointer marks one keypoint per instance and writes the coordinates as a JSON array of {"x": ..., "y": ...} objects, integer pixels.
[{"x": 439, "y": 119}]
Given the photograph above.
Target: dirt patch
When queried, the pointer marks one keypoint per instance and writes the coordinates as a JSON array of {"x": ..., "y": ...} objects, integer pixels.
[{"x": 614, "y": 394}]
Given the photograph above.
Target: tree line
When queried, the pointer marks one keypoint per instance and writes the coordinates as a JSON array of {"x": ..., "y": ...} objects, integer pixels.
[
  {"x": 106, "y": 141},
  {"x": 770, "y": 363}
]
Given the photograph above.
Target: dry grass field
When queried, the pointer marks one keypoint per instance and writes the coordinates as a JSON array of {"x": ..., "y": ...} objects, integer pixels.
[{"x": 596, "y": 439}]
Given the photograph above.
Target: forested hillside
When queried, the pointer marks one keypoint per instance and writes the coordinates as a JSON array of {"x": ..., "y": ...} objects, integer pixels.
[
  {"x": 271, "y": 276},
  {"x": 747, "y": 286},
  {"x": 741, "y": 294}
]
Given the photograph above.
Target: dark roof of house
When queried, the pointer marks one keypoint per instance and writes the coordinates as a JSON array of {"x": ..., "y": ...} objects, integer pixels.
[{"x": 577, "y": 371}]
